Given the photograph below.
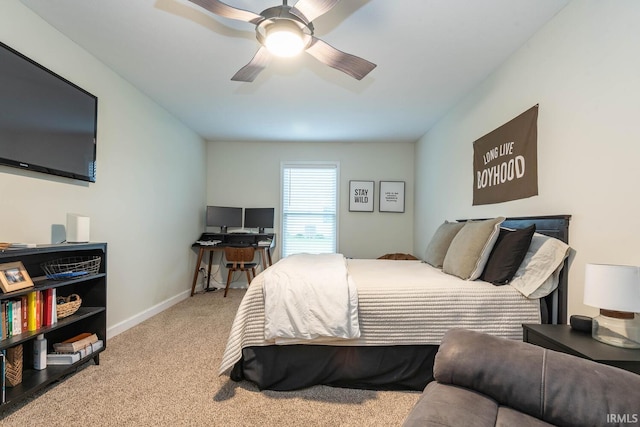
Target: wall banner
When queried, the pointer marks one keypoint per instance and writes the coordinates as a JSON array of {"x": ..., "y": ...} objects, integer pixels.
[{"x": 505, "y": 161}]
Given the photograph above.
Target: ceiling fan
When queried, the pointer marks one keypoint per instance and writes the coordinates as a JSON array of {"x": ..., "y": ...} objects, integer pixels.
[{"x": 285, "y": 31}]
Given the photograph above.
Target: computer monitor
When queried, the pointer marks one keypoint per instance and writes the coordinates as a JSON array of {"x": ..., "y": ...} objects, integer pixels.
[
  {"x": 223, "y": 217},
  {"x": 259, "y": 218}
]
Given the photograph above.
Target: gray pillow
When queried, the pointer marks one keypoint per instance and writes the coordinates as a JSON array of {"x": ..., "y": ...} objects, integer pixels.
[
  {"x": 470, "y": 248},
  {"x": 439, "y": 244}
]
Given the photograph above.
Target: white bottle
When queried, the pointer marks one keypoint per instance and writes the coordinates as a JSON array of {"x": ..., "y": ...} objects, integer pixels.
[{"x": 40, "y": 353}]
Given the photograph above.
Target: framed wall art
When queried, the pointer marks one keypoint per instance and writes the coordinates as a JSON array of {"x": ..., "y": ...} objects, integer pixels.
[
  {"x": 13, "y": 277},
  {"x": 391, "y": 196},
  {"x": 361, "y": 196}
]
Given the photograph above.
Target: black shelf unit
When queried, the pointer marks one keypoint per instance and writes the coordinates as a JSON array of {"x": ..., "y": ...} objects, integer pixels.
[{"x": 90, "y": 317}]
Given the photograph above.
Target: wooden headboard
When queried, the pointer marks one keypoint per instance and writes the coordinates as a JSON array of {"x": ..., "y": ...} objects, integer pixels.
[{"x": 555, "y": 226}]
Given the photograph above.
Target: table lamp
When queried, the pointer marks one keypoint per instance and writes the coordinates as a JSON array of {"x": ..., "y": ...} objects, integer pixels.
[{"x": 615, "y": 290}]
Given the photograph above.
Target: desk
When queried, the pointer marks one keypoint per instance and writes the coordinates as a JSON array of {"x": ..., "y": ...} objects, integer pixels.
[{"x": 250, "y": 239}]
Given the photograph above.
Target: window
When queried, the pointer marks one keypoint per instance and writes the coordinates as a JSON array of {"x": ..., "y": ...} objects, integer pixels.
[{"x": 309, "y": 208}]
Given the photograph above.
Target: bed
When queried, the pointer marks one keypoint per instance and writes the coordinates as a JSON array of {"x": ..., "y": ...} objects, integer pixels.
[{"x": 404, "y": 308}]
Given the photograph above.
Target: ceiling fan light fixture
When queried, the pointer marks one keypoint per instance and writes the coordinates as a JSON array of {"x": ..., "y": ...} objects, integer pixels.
[
  {"x": 284, "y": 39},
  {"x": 286, "y": 31}
]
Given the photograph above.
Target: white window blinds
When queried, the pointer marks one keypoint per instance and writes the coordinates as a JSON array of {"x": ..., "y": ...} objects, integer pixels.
[{"x": 309, "y": 208}]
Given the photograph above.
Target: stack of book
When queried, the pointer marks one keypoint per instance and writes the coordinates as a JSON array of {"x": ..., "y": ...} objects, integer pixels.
[
  {"x": 28, "y": 312},
  {"x": 72, "y": 350}
]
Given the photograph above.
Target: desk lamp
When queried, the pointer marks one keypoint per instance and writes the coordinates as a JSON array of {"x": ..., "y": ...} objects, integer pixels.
[{"x": 615, "y": 290}]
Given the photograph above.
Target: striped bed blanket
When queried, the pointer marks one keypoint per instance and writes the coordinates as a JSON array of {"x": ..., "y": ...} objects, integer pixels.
[{"x": 399, "y": 303}]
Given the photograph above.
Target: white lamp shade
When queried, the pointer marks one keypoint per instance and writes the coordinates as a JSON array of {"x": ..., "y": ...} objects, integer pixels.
[{"x": 612, "y": 287}]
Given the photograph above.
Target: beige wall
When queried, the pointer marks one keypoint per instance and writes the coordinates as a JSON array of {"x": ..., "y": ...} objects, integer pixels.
[
  {"x": 248, "y": 175},
  {"x": 583, "y": 71},
  {"x": 155, "y": 176},
  {"x": 150, "y": 179}
]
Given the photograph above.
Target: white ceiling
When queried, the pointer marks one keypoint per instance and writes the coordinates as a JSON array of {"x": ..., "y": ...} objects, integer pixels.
[{"x": 429, "y": 54}]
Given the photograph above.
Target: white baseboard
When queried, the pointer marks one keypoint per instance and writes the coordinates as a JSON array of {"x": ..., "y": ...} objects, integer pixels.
[{"x": 147, "y": 314}]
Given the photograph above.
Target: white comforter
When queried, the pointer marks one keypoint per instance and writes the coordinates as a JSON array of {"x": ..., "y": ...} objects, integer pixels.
[
  {"x": 310, "y": 296},
  {"x": 399, "y": 302}
]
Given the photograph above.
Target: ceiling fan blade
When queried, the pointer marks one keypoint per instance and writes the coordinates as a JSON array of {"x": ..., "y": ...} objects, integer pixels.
[
  {"x": 227, "y": 11},
  {"x": 309, "y": 10},
  {"x": 356, "y": 67},
  {"x": 249, "y": 72}
]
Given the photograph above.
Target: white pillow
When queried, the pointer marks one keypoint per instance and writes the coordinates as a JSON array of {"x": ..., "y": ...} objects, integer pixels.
[{"x": 539, "y": 272}]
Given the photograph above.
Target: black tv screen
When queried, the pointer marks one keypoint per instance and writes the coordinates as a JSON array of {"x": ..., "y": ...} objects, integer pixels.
[{"x": 47, "y": 123}]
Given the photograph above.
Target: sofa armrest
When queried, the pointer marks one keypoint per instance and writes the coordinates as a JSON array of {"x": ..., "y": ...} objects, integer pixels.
[{"x": 448, "y": 405}]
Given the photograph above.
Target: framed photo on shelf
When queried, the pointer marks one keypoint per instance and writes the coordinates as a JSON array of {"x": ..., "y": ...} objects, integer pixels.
[
  {"x": 391, "y": 196},
  {"x": 361, "y": 196},
  {"x": 13, "y": 277}
]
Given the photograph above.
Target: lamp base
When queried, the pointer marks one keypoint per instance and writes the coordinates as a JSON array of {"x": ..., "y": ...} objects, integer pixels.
[{"x": 623, "y": 330}]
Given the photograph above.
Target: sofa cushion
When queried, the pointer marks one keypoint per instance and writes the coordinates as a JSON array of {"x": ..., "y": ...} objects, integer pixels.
[
  {"x": 558, "y": 388},
  {"x": 508, "y": 417},
  {"x": 447, "y": 405},
  {"x": 505, "y": 370},
  {"x": 581, "y": 392}
]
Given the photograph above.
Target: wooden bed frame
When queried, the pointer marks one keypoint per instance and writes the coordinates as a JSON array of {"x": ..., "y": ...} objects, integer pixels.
[{"x": 404, "y": 367}]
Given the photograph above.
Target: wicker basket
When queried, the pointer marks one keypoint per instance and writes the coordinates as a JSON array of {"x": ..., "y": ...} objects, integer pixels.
[
  {"x": 13, "y": 368},
  {"x": 66, "y": 306},
  {"x": 66, "y": 268}
]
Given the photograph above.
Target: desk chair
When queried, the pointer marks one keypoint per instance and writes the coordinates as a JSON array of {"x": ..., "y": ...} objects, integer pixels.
[{"x": 239, "y": 259}]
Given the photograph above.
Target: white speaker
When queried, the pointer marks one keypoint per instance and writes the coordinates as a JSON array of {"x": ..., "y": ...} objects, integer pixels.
[{"x": 77, "y": 228}]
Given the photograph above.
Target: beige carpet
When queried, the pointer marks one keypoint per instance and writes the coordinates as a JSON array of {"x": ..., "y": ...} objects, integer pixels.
[{"x": 164, "y": 372}]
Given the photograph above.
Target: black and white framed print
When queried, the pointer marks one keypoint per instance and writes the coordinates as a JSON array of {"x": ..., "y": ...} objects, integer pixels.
[
  {"x": 361, "y": 196},
  {"x": 391, "y": 196}
]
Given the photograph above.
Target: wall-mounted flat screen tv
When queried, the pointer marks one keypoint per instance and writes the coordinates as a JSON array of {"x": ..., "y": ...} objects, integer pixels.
[{"x": 47, "y": 123}]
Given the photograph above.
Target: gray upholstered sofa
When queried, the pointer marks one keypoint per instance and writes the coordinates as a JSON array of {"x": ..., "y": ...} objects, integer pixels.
[{"x": 481, "y": 380}]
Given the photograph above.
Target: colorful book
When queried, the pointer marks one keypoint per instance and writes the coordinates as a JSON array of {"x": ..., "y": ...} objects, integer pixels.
[
  {"x": 38, "y": 309},
  {"x": 3, "y": 320},
  {"x": 9, "y": 314},
  {"x": 16, "y": 318},
  {"x": 24, "y": 313},
  {"x": 3, "y": 368},
  {"x": 54, "y": 306},
  {"x": 32, "y": 308},
  {"x": 48, "y": 295}
]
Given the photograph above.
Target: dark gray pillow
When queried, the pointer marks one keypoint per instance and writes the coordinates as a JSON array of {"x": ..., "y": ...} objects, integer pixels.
[
  {"x": 507, "y": 255},
  {"x": 439, "y": 244},
  {"x": 470, "y": 248}
]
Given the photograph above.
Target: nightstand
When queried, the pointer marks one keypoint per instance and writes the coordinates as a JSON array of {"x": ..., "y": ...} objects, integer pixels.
[{"x": 566, "y": 340}]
